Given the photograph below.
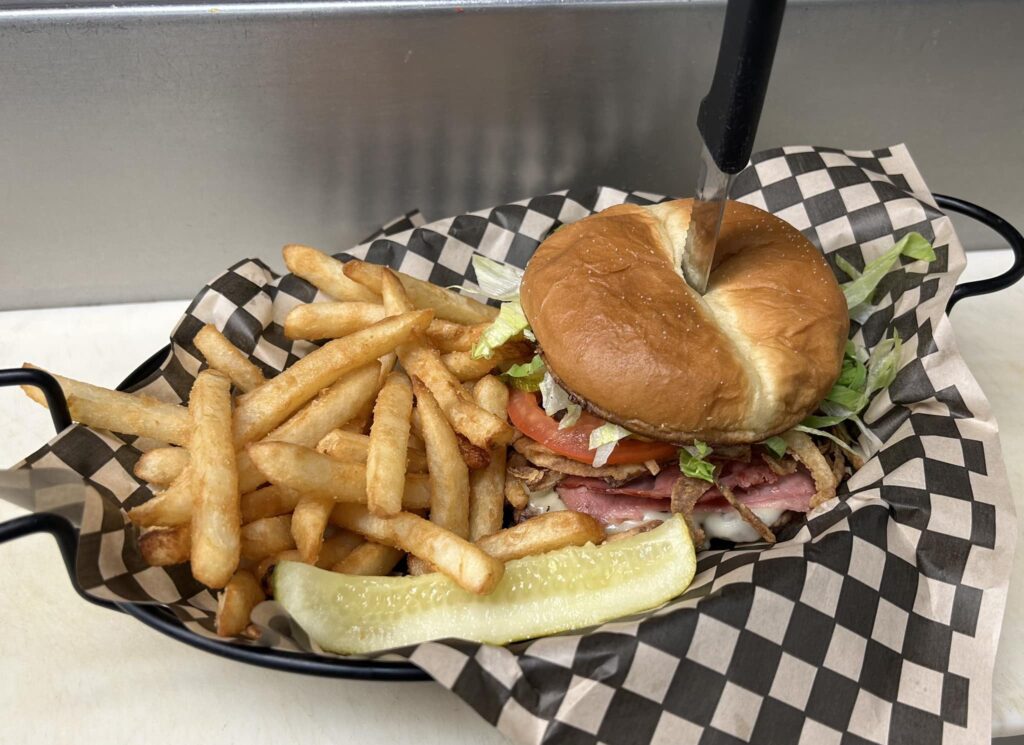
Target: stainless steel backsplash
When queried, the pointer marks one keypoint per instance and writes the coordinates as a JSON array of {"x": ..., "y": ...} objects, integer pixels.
[{"x": 143, "y": 148}]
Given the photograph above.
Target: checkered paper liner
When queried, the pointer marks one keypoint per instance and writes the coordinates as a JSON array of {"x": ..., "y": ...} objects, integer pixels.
[{"x": 874, "y": 621}]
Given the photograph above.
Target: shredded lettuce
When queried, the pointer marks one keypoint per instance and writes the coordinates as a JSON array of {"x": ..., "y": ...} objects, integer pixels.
[
  {"x": 496, "y": 280},
  {"x": 775, "y": 445},
  {"x": 510, "y": 322},
  {"x": 828, "y": 436},
  {"x": 554, "y": 399},
  {"x": 851, "y": 271},
  {"x": 527, "y": 369},
  {"x": 693, "y": 461},
  {"x": 858, "y": 291},
  {"x": 500, "y": 282},
  {"x": 604, "y": 439},
  {"x": 526, "y": 376},
  {"x": 864, "y": 374},
  {"x": 552, "y": 396},
  {"x": 572, "y": 415},
  {"x": 883, "y": 364},
  {"x": 859, "y": 381}
]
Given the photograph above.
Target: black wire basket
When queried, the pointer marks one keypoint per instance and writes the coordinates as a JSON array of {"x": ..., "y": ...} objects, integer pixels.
[{"x": 162, "y": 620}]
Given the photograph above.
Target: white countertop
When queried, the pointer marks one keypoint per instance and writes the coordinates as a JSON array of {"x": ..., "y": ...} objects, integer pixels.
[{"x": 60, "y": 682}]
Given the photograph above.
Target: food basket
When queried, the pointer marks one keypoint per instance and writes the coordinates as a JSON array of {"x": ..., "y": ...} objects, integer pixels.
[{"x": 755, "y": 180}]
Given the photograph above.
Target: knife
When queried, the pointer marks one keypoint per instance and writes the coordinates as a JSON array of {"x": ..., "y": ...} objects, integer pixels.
[{"x": 727, "y": 121}]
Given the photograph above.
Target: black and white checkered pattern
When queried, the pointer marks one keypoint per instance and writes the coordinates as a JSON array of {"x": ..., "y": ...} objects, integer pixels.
[{"x": 875, "y": 621}]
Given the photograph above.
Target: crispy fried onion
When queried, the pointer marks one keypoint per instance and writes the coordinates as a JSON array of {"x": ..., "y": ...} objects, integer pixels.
[
  {"x": 780, "y": 466},
  {"x": 805, "y": 451},
  {"x": 475, "y": 457},
  {"x": 516, "y": 493},
  {"x": 836, "y": 460},
  {"x": 745, "y": 512},
  {"x": 539, "y": 455},
  {"x": 856, "y": 461},
  {"x": 535, "y": 478},
  {"x": 686, "y": 492}
]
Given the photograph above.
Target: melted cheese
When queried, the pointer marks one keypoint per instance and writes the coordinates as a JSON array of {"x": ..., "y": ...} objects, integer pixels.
[
  {"x": 547, "y": 501},
  {"x": 730, "y": 526}
]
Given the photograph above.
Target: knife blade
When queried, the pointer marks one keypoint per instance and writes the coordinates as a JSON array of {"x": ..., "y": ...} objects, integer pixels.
[
  {"x": 705, "y": 221},
  {"x": 727, "y": 121}
]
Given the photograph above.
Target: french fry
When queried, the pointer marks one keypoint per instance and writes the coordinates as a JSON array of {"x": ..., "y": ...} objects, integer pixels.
[
  {"x": 337, "y": 547},
  {"x": 487, "y": 485},
  {"x": 235, "y": 604},
  {"x": 446, "y": 336},
  {"x": 333, "y": 550},
  {"x": 331, "y": 320},
  {"x": 388, "y": 449},
  {"x": 449, "y": 476},
  {"x": 387, "y": 365},
  {"x": 417, "y": 492},
  {"x": 325, "y": 273},
  {"x": 538, "y": 535},
  {"x": 309, "y": 472},
  {"x": 266, "y": 537},
  {"x": 161, "y": 466},
  {"x": 171, "y": 507},
  {"x": 308, "y": 523},
  {"x": 317, "y": 475},
  {"x": 225, "y": 357},
  {"x": 353, "y": 448},
  {"x": 334, "y": 406},
  {"x": 162, "y": 547},
  {"x": 350, "y": 392},
  {"x": 369, "y": 560},
  {"x": 127, "y": 413},
  {"x": 446, "y": 304},
  {"x": 464, "y": 367},
  {"x": 424, "y": 362},
  {"x": 360, "y": 425},
  {"x": 480, "y": 427},
  {"x": 415, "y": 566},
  {"x": 396, "y": 299},
  {"x": 262, "y": 409},
  {"x": 467, "y": 565},
  {"x": 268, "y": 562},
  {"x": 216, "y": 518},
  {"x": 268, "y": 501},
  {"x": 343, "y": 401}
]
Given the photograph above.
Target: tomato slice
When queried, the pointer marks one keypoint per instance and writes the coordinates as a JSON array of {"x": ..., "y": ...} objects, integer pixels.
[{"x": 573, "y": 442}]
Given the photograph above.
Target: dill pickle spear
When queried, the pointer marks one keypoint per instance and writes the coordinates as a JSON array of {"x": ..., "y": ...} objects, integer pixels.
[{"x": 567, "y": 589}]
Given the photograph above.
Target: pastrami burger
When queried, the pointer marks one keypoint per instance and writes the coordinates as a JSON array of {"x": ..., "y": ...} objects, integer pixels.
[{"x": 646, "y": 398}]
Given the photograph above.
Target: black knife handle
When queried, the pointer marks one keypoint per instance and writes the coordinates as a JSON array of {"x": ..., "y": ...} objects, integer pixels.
[{"x": 729, "y": 114}]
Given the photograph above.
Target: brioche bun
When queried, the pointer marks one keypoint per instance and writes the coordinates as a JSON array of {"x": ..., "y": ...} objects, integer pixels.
[{"x": 625, "y": 335}]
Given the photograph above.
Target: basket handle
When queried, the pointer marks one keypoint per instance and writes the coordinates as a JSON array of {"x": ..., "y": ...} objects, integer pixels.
[
  {"x": 1009, "y": 233},
  {"x": 59, "y": 527},
  {"x": 66, "y": 536},
  {"x": 55, "y": 400}
]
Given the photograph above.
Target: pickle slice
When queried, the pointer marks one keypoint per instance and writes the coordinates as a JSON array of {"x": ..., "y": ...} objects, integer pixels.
[{"x": 558, "y": 591}]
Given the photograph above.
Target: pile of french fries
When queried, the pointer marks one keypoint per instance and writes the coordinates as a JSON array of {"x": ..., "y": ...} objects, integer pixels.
[{"x": 385, "y": 444}]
